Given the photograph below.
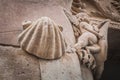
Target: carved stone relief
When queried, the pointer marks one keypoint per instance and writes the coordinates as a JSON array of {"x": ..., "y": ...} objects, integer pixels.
[
  {"x": 69, "y": 43},
  {"x": 43, "y": 38}
]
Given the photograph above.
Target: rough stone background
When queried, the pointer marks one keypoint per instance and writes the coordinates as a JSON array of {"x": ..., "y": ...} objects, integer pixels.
[{"x": 15, "y": 64}]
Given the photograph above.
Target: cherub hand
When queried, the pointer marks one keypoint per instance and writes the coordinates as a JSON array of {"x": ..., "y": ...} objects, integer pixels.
[
  {"x": 70, "y": 50},
  {"x": 77, "y": 47}
]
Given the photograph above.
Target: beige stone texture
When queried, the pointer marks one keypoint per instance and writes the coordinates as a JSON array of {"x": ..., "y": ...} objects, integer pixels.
[
  {"x": 15, "y": 64},
  {"x": 66, "y": 68}
]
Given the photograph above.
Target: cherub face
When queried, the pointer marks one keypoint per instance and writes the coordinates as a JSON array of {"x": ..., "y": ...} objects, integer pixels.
[{"x": 82, "y": 17}]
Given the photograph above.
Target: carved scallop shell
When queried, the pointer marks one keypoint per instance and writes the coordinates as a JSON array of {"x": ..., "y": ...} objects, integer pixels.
[{"x": 43, "y": 39}]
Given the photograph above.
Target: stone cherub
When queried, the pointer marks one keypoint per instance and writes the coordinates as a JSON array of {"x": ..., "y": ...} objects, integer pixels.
[
  {"x": 89, "y": 40},
  {"x": 93, "y": 40},
  {"x": 28, "y": 40}
]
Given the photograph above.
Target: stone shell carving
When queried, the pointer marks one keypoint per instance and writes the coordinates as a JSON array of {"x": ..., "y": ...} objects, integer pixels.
[{"x": 43, "y": 39}]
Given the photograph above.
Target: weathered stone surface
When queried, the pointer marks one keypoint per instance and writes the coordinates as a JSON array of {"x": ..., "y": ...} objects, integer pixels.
[
  {"x": 10, "y": 38},
  {"x": 14, "y": 12},
  {"x": 15, "y": 64},
  {"x": 66, "y": 68},
  {"x": 102, "y": 9},
  {"x": 86, "y": 73}
]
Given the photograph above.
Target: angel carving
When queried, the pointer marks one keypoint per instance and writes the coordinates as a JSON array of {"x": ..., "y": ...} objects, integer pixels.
[{"x": 91, "y": 41}]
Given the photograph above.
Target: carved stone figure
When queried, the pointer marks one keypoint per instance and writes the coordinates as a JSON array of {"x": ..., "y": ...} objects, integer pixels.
[
  {"x": 62, "y": 46},
  {"x": 92, "y": 40},
  {"x": 43, "y": 39},
  {"x": 86, "y": 37}
]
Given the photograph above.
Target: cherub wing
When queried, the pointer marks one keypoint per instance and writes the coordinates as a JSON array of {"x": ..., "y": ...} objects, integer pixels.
[
  {"x": 74, "y": 21},
  {"x": 71, "y": 17}
]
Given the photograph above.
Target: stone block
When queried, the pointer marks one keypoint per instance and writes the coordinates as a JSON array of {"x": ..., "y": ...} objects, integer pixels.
[
  {"x": 15, "y": 64},
  {"x": 66, "y": 68}
]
